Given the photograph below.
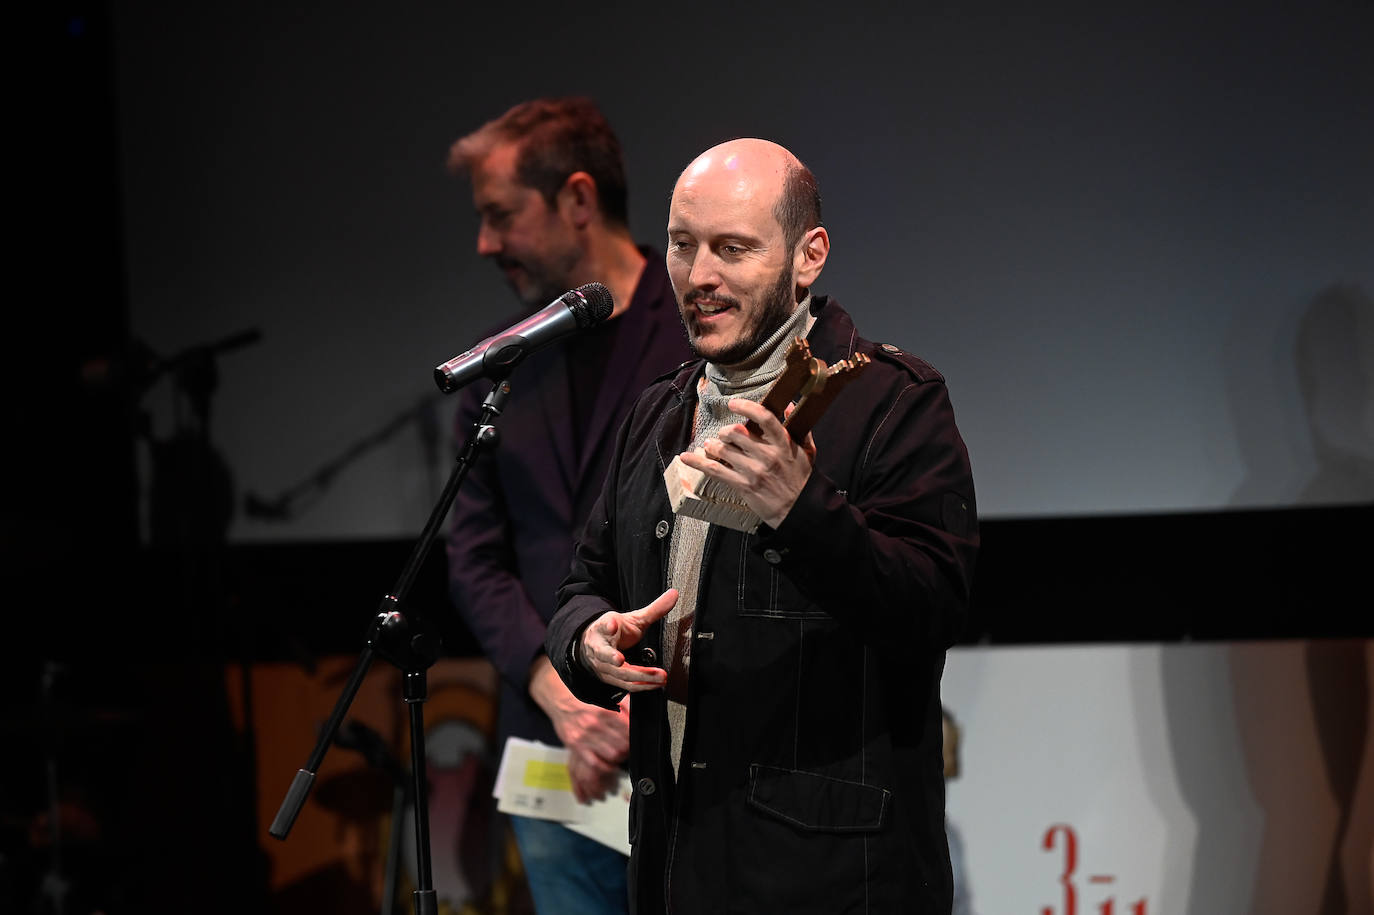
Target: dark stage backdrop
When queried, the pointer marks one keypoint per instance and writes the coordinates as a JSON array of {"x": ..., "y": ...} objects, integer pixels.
[{"x": 1139, "y": 244}]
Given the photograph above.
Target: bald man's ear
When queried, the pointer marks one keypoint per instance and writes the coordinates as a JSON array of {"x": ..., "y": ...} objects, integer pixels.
[
  {"x": 812, "y": 251},
  {"x": 577, "y": 198}
]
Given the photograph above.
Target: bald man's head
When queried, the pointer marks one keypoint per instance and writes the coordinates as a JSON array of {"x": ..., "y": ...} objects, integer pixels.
[{"x": 744, "y": 245}]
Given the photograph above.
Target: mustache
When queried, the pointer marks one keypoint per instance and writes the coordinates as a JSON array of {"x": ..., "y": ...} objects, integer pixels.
[{"x": 697, "y": 296}]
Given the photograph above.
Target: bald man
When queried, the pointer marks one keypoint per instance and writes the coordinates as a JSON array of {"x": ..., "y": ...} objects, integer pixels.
[{"x": 785, "y": 719}]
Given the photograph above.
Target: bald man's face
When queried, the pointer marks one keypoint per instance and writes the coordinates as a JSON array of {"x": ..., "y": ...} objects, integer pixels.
[{"x": 732, "y": 273}]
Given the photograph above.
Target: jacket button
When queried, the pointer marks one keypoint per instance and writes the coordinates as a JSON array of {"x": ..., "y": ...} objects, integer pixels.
[
  {"x": 647, "y": 655},
  {"x": 661, "y": 530},
  {"x": 772, "y": 556},
  {"x": 645, "y": 786}
]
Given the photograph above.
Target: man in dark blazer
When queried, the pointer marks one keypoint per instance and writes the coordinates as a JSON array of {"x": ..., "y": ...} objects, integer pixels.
[{"x": 548, "y": 184}]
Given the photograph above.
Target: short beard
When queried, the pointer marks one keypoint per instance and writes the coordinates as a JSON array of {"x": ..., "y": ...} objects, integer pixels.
[
  {"x": 778, "y": 304},
  {"x": 547, "y": 277}
]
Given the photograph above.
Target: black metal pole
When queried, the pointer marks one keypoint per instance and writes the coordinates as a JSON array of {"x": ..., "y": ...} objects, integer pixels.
[{"x": 416, "y": 691}]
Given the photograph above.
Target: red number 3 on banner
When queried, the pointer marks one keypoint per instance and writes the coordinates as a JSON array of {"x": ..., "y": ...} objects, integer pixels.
[{"x": 1070, "y": 864}]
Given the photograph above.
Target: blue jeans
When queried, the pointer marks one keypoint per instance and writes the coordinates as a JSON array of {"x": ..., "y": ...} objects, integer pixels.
[{"x": 568, "y": 873}]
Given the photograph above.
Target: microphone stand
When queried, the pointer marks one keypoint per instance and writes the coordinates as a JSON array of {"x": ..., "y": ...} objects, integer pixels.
[{"x": 412, "y": 648}]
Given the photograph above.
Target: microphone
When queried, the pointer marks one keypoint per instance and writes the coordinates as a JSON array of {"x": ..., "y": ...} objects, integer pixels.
[{"x": 496, "y": 356}]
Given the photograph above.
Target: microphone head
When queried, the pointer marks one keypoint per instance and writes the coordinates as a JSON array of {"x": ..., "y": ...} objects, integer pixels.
[{"x": 590, "y": 304}]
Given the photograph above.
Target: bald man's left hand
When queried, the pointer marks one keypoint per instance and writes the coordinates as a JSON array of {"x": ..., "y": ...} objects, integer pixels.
[{"x": 768, "y": 470}]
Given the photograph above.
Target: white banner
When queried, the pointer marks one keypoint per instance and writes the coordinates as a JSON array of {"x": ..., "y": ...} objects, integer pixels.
[{"x": 1159, "y": 780}]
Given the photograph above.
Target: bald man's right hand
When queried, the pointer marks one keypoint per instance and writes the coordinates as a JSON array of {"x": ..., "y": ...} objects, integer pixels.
[{"x": 610, "y": 635}]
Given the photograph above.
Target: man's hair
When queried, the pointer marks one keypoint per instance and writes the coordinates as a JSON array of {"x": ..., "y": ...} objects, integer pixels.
[
  {"x": 556, "y": 137},
  {"x": 798, "y": 210}
]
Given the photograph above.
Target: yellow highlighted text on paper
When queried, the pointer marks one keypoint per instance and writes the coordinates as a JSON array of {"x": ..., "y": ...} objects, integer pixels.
[{"x": 550, "y": 776}]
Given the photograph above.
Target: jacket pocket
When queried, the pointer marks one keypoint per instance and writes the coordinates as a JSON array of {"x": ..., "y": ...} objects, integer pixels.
[
  {"x": 817, "y": 803},
  {"x": 766, "y": 593}
]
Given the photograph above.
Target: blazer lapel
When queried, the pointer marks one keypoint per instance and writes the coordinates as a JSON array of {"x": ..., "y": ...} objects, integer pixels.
[{"x": 620, "y": 384}]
